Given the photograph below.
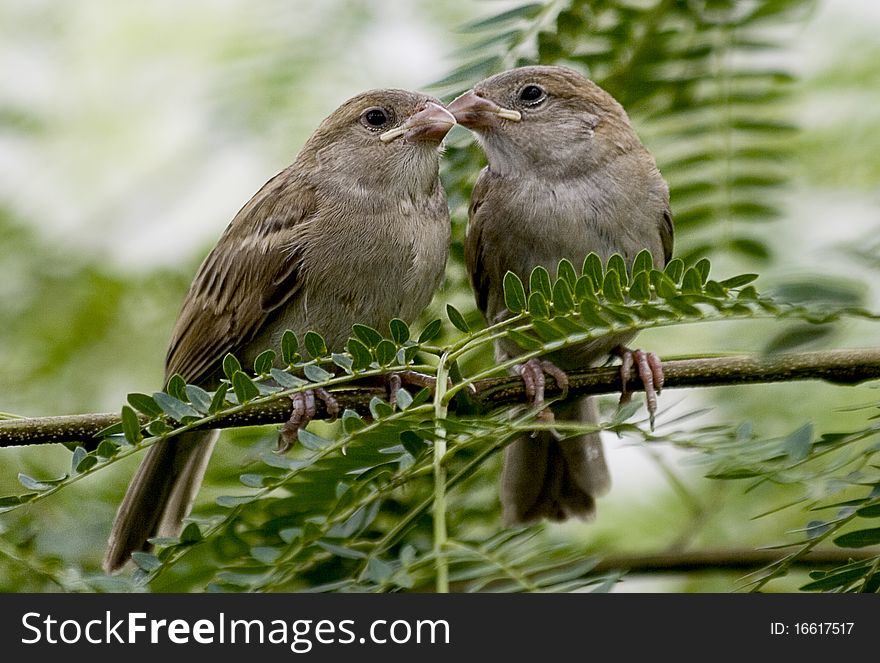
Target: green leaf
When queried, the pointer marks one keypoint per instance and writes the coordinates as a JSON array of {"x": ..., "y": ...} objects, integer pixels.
[
  {"x": 360, "y": 355},
  {"x": 230, "y": 366},
  {"x": 341, "y": 551},
  {"x": 563, "y": 301},
  {"x": 523, "y": 340},
  {"x": 611, "y": 288},
  {"x": 674, "y": 270},
  {"x": 198, "y": 398},
  {"x": 404, "y": 400},
  {"x": 703, "y": 268},
  {"x": 107, "y": 449},
  {"x": 872, "y": 511},
  {"x": 457, "y": 319},
  {"x": 191, "y": 534},
  {"x": 145, "y": 561},
  {"x": 131, "y": 425},
  {"x": 218, "y": 400},
  {"x": 431, "y": 331},
  {"x": 399, "y": 331},
  {"x": 378, "y": 571},
  {"x": 316, "y": 374},
  {"x": 414, "y": 445},
  {"x": 315, "y": 345},
  {"x": 379, "y": 408},
  {"x": 88, "y": 462},
  {"x": 859, "y": 539},
  {"x": 175, "y": 408},
  {"x": 591, "y": 315},
  {"x": 285, "y": 379},
  {"x": 546, "y": 330},
  {"x": 352, "y": 422},
  {"x": 145, "y": 404},
  {"x": 640, "y": 289},
  {"x": 369, "y": 336},
  {"x": 524, "y": 12},
  {"x": 617, "y": 264},
  {"x": 289, "y": 347},
  {"x": 176, "y": 387},
  {"x": 663, "y": 285},
  {"x": 644, "y": 262},
  {"x": 539, "y": 281},
  {"x": 692, "y": 283},
  {"x": 244, "y": 387},
  {"x": 158, "y": 428},
  {"x": 538, "y": 305},
  {"x": 593, "y": 269},
  {"x": 386, "y": 352},
  {"x": 345, "y": 362},
  {"x": 423, "y": 395},
  {"x": 739, "y": 281},
  {"x": 264, "y": 362},
  {"x": 798, "y": 445},
  {"x": 38, "y": 485},
  {"x": 230, "y": 501},
  {"x": 585, "y": 290},
  {"x": 311, "y": 441},
  {"x": 565, "y": 271},
  {"x": 514, "y": 293}
]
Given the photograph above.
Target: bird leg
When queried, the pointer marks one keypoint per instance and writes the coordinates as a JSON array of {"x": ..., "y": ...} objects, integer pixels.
[
  {"x": 303, "y": 412},
  {"x": 532, "y": 374},
  {"x": 649, "y": 369}
]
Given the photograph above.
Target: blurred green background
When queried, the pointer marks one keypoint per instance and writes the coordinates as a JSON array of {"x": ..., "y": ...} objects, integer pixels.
[{"x": 131, "y": 133}]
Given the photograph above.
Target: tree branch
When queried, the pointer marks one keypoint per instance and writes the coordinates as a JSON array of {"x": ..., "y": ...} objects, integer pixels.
[{"x": 847, "y": 367}]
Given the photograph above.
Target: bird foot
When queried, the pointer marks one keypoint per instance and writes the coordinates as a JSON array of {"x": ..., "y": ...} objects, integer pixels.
[
  {"x": 395, "y": 381},
  {"x": 304, "y": 411},
  {"x": 649, "y": 369},
  {"x": 532, "y": 374}
]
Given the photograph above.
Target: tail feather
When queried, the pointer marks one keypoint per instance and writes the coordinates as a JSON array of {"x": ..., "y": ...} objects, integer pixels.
[
  {"x": 544, "y": 477},
  {"x": 170, "y": 475}
]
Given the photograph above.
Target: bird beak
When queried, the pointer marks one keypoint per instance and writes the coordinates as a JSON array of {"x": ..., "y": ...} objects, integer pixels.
[
  {"x": 429, "y": 125},
  {"x": 476, "y": 112}
]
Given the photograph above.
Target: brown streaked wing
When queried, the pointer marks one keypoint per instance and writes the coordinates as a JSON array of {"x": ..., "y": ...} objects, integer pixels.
[{"x": 252, "y": 270}]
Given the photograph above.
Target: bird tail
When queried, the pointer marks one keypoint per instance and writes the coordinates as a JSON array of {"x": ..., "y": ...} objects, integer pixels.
[
  {"x": 544, "y": 477},
  {"x": 170, "y": 475}
]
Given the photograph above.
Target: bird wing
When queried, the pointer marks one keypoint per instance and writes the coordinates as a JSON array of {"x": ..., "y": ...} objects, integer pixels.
[{"x": 254, "y": 269}]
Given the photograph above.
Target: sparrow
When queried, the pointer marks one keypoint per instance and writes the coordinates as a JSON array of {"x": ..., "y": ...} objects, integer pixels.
[
  {"x": 566, "y": 176},
  {"x": 355, "y": 230}
]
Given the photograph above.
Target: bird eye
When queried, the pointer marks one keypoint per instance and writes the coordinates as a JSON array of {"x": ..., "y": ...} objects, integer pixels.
[
  {"x": 375, "y": 117},
  {"x": 532, "y": 94}
]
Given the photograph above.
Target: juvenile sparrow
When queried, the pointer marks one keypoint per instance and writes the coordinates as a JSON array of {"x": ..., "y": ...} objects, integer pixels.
[
  {"x": 567, "y": 176},
  {"x": 356, "y": 230}
]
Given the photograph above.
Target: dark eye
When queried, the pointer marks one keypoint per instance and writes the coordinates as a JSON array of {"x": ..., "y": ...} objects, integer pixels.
[
  {"x": 531, "y": 94},
  {"x": 375, "y": 117}
]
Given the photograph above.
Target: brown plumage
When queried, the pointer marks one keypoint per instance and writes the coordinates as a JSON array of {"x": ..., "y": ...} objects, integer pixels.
[
  {"x": 567, "y": 176},
  {"x": 356, "y": 230}
]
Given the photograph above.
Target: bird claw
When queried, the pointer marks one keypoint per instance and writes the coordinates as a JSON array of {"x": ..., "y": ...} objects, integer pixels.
[
  {"x": 304, "y": 410},
  {"x": 532, "y": 374},
  {"x": 650, "y": 371}
]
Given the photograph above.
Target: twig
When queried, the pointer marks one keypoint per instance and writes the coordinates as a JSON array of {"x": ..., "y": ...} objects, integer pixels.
[{"x": 847, "y": 367}]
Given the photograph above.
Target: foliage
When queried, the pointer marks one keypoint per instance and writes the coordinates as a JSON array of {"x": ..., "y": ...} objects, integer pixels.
[
  {"x": 355, "y": 506},
  {"x": 323, "y": 515}
]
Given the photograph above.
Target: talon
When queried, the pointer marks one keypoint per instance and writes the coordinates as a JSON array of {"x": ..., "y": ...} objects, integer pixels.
[
  {"x": 394, "y": 383},
  {"x": 303, "y": 412},
  {"x": 650, "y": 372},
  {"x": 534, "y": 382}
]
